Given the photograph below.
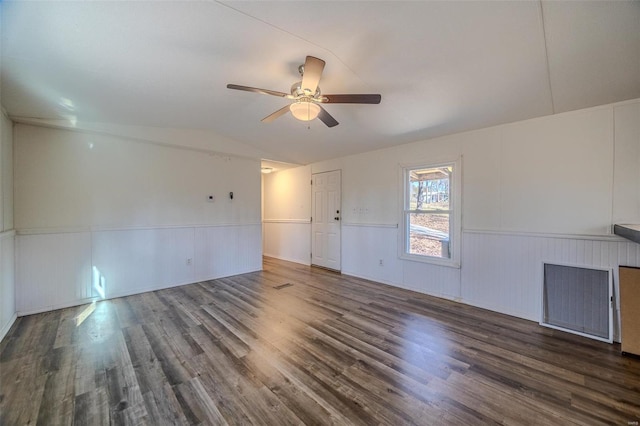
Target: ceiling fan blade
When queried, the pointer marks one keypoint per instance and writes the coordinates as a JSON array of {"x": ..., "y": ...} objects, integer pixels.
[
  {"x": 256, "y": 90},
  {"x": 351, "y": 99},
  {"x": 278, "y": 113},
  {"x": 326, "y": 118},
  {"x": 312, "y": 71}
]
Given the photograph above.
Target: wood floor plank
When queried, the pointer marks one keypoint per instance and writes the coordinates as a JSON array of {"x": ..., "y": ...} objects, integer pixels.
[
  {"x": 306, "y": 408},
  {"x": 293, "y": 344},
  {"x": 21, "y": 389},
  {"x": 231, "y": 408},
  {"x": 57, "y": 405},
  {"x": 125, "y": 399},
  {"x": 197, "y": 402},
  {"x": 174, "y": 369},
  {"x": 92, "y": 408},
  {"x": 163, "y": 407},
  {"x": 143, "y": 359}
]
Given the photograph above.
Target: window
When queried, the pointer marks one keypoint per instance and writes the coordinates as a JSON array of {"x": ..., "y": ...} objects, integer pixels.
[{"x": 430, "y": 215}]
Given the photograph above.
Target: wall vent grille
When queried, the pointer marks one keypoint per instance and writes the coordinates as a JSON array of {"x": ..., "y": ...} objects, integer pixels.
[
  {"x": 578, "y": 300},
  {"x": 281, "y": 286}
]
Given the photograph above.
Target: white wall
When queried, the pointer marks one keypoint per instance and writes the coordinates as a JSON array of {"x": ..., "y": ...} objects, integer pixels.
[
  {"x": 546, "y": 189},
  {"x": 287, "y": 214},
  {"x": 136, "y": 212},
  {"x": 7, "y": 234},
  {"x": 626, "y": 178}
]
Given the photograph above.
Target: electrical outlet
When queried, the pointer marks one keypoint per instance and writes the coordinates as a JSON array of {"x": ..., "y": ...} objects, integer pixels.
[
  {"x": 189, "y": 262},
  {"x": 381, "y": 263}
]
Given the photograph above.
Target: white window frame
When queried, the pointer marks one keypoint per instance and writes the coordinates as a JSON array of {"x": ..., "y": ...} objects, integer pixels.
[{"x": 455, "y": 202}]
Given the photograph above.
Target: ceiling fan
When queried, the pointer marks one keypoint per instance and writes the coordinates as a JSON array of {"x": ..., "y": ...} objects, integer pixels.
[{"x": 307, "y": 96}]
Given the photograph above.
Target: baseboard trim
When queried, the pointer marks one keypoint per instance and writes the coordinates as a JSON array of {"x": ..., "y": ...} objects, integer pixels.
[
  {"x": 49, "y": 308},
  {"x": 290, "y": 221},
  {"x": 80, "y": 302},
  {"x": 287, "y": 259},
  {"x": 7, "y": 326},
  {"x": 457, "y": 299}
]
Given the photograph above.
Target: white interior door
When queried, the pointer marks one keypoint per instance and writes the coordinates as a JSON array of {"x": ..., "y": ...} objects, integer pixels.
[{"x": 325, "y": 220}]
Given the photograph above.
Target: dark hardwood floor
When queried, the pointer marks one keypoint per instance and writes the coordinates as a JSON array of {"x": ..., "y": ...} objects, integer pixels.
[{"x": 300, "y": 345}]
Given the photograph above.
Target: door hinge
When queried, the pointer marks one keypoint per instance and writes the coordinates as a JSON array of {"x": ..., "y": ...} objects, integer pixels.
[
  {"x": 311, "y": 181},
  {"x": 311, "y": 220},
  {"x": 310, "y": 255}
]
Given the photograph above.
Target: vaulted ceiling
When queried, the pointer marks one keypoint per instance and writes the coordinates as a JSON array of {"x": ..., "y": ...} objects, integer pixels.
[{"x": 441, "y": 67}]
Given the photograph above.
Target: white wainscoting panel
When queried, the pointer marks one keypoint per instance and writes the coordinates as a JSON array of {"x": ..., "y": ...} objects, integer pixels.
[
  {"x": 7, "y": 282},
  {"x": 139, "y": 260},
  {"x": 288, "y": 240},
  {"x": 503, "y": 272},
  {"x": 53, "y": 271},
  {"x": 365, "y": 245},
  {"x": 221, "y": 251},
  {"x": 57, "y": 270},
  {"x": 436, "y": 280}
]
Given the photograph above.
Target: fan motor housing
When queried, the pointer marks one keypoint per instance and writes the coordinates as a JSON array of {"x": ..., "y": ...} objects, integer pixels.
[{"x": 297, "y": 91}]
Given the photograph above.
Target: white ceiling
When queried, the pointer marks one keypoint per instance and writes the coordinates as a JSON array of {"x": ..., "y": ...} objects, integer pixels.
[{"x": 441, "y": 67}]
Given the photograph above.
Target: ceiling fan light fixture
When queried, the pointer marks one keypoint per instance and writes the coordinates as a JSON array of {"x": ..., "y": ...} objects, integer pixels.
[
  {"x": 306, "y": 96},
  {"x": 304, "y": 111}
]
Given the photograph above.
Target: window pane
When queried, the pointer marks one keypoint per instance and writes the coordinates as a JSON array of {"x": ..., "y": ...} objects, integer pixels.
[
  {"x": 429, "y": 234},
  {"x": 429, "y": 188}
]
